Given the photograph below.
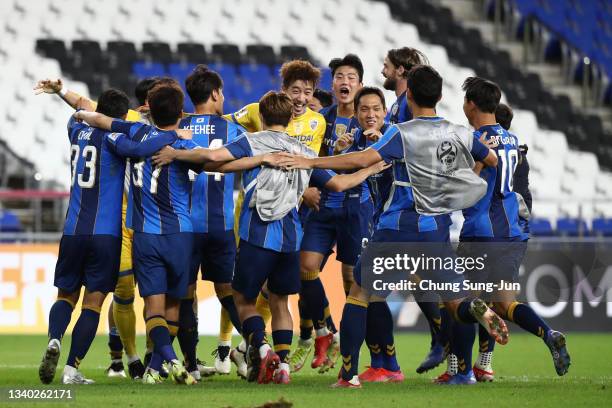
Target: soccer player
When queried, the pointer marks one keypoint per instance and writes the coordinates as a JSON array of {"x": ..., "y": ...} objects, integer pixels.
[
  {"x": 320, "y": 99},
  {"x": 158, "y": 212},
  {"x": 91, "y": 244},
  {"x": 400, "y": 222},
  {"x": 298, "y": 80},
  {"x": 495, "y": 219},
  {"x": 212, "y": 216},
  {"x": 342, "y": 219},
  {"x": 396, "y": 65}
]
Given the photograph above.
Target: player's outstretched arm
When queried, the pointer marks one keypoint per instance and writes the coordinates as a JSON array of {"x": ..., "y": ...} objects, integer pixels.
[
  {"x": 56, "y": 86},
  {"x": 245, "y": 163},
  {"x": 349, "y": 161},
  {"x": 198, "y": 156},
  {"x": 343, "y": 182},
  {"x": 94, "y": 119}
]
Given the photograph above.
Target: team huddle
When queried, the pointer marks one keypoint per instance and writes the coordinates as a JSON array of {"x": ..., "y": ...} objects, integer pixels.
[{"x": 152, "y": 205}]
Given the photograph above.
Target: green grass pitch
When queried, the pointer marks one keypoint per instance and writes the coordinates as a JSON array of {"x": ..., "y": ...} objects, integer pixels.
[{"x": 524, "y": 377}]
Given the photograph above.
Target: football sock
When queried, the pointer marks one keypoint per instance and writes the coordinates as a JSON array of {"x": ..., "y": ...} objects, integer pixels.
[
  {"x": 463, "y": 314},
  {"x": 328, "y": 318},
  {"x": 313, "y": 295},
  {"x": 157, "y": 328},
  {"x": 388, "y": 342},
  {"x": 263, "y": 307},
  {"x": 226, "y": 327},
  {"x": 306, "y": 326},
  {"x": 486, "y": 343},
  {"x": 527, "y": 319},
  {"x": 187, "y": 325},
  {"x": 352, "y": 335},
  {"x": 59, "y": 317},
  {"x": 227, "y": 302},
  {"x": 445, "y": 327},
  {"x": 463, "y": 336},
  {"x": 114, "y": 344},
  {"x": 431, "y": 310},
  {"x": 123, "y": 312},
  {"x": 282, "y": 343},
  {"x": 83, "y": 334},
  {"x": 373, "y": 337},
  {"x": 254, "y": 330}
]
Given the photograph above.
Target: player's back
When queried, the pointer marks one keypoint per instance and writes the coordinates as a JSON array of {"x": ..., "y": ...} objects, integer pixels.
[
  {"x": 496, "y": 214},
  {"x": 212, "y": 201},
  {"x": 96, "y": 186},
  {"x": 159, "y": 195}
]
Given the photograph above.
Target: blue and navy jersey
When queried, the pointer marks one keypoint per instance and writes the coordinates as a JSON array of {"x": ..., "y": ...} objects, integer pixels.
[
  {"x": 495, "y": 216},
  {"x": 336, "y": 127},
  {"x": 159, "y": 195},
  {"x": 400, "y": 111},
  {"x": 96, "y": 186},
  {"x": 378, "y": 184},
  {"x": 212, "y": 199},
  {"x": 284, "y": 235},
  {"x": 320, "y": 177}
]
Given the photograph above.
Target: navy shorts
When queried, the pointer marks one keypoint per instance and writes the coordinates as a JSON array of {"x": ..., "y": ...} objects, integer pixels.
[
  {"x": 215, "y": 254},
  {"x": 256, "y": 264},
  {"x": 88, "y": 260},
  {"x": 161, "y": 263},
  {"x": 346, "y": 226},
  {"x": 502, "y": 261},
  {"x": 444, "y": 250}
]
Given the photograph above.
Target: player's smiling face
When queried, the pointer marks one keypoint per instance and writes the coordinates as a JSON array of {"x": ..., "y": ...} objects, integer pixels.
[
  {"x": 345, "y": 84},
  {"x": 389, "y": 72},
  {"x": 300, "y": 93},
  {"x": 371, "y": 112}
]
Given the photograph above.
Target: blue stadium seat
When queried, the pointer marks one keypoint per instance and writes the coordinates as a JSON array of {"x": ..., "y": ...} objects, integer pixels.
[
  {"x": 180, "y": 71},
  {"x": 602, "y": 226},
  {"x": 148, "y": 69},
  {"x": 326, "y": 79},
  {"x": 572, "y": 227},
  {"x": 9, "y": 222},
  {"x": 540, "y": 227}
]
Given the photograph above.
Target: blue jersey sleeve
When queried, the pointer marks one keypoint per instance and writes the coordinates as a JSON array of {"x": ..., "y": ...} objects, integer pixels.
[
  {"x": 240, "y": 148},
  {"x": 125, "y": 127},
  {"x": 127, "y": 147},
  {"x": 234, "y": 132},
  {"x": 479, "y": 150},
  {"x": 185, "y": 144},
  {"x": 320, "y": 177},
  {"x": 390, "y": 146}
]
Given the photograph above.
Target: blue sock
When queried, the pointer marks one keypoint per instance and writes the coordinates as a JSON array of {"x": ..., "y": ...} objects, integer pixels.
[
  {"x": 254, "y": 330},
  {"x": 282, "y": 343},
  {"x": 59, "y": 318},
  {"x": 156, "y": 361},
  {"x": 305, "y": 320},
  {"x": 431, "y": 310},
  {"x": 187, "y": 326},
  {"x": 373, "y": 337},
  {"x": 352, "y": 335},
  {"x": 82, "y": 336},
  {"x": 162, "y": 343},
  {"x": 463, "y": 312},
  {"x": 486, "y": 343},
  {"x": 445, "y": 328},
  {"x": 388, "y": 342},
  {"x": 312, "y": 296},
  {"x": 228, "y": 304},
  {"x": 463, "y": 336},
  {"x": 114, "y": 343},
  {"x": 527, "y": 319}
]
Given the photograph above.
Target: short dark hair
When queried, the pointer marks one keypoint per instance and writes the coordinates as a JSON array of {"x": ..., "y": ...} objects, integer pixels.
[
  {"x": 425, "y": 84},
  {"x": 350, "y": 60},
  {"x": 504, "y": 115},
  {"x": 369, "y": 90},
  {"x": 142, "y": 89},
  {"x": 200, "y": 84},
  {"x": 166, "y": 104},
  {"x": 324, "y": 97},
  {"x": 299, "y": 70},
  {"x": 276, "y": 108},
  {"x": 113, "y": 103},
  {"x": 484, "y": 93},
  {"x": 406, "y": 57}
]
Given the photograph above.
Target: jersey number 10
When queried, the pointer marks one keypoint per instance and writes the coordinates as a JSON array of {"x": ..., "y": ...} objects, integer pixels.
[{"x": 509, "y": 161}]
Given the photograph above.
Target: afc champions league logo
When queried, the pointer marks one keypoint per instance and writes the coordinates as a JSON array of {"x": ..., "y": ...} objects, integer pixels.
[{"x": 447, "y": 154}]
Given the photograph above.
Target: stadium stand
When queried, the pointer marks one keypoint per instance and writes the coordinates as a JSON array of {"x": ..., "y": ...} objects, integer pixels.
[{"x": 151, "y": 40}]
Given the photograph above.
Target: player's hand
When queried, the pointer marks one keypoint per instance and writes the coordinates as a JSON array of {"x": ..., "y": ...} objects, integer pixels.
[
  {"x": 379, "y": 166},
  {"x": 372, "y": 135},
  {"x": 48, "y": 86},
  {"x": 81, "y": 115},
  {"x": 491, "y": 143},
  {"x": 271, "y": 159},
  {"x": 165, "y": 156},
  {"x": 293, "y": 161},
  {"x": 185, "y": 134},
  {"x": 312, "y": 197},
  {"x": 344, "y": 142}
]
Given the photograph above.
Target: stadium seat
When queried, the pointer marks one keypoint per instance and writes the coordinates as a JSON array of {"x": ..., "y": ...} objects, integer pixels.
[
  {"x": 261, "y": 54},
  {"x": 191, "y": 52},
  {"x": 572, "y": 227},
  {"x": 602, "y": 227},
  {"x": 540, "y": 227},
  {"x": 227, "y": 53},
  {"x": 290, "y": 52},
  {"x": 157, "y": 51},
  {"x": 148, "y": 69}
]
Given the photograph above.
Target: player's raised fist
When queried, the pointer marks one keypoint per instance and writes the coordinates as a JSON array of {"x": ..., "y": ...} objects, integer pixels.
[{"x": 48, "y": 86}]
